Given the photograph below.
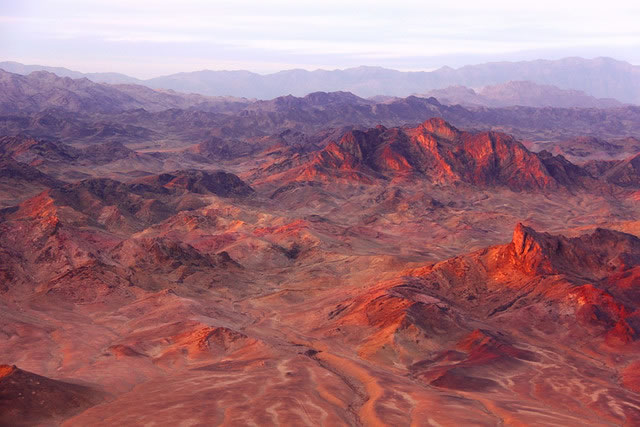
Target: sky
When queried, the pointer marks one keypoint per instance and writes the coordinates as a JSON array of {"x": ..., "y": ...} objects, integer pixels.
[{"x": 148, "y": 38}]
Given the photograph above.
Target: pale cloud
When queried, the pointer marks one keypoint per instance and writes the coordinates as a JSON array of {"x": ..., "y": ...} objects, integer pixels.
[{"x": 151, "y": 37}]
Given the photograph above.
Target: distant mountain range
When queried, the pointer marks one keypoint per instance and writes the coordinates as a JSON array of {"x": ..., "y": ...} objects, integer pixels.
[
  {"x": 523, "y": 93},
  {"x": 599, "y": 77},
  {"x": 43, "y": 90},
  {"x": 114, "y": 78}
]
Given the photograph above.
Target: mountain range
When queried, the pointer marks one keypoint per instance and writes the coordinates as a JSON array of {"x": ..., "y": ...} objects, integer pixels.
[
  {"x": 40, "y": 90},
  {"x": 524, "y": 93},
  {"x": 326, "y": 259},
  {"x": 599, "y": 77},
  {"x": 42, "y": 104}
]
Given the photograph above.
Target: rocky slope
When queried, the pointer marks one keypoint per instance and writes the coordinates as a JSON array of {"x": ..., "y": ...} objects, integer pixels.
[
  {"x": 586, "y": 148},
  {"x": 621, "y": 172}
]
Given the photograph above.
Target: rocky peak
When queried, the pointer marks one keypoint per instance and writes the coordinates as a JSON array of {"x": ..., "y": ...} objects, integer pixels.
[
  {"x": 523, "y": 238},
  {"x": 323, "y": 99},
  {"x": 532, "y": 249},
  {"x": 439, "y": 127},
  {"x": 589, "y": 256},
  {"x": 441, "y": 153}
]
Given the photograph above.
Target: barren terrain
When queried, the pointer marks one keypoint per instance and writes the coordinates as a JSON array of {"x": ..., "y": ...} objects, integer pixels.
[{"x": 241, "y": 269}]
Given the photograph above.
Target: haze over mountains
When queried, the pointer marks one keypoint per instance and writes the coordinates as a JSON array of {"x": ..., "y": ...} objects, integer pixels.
[
  {"x": 599, "y": 77},
  {"x": 40, "y": 90},
  {"x": 522, "y": 93}
]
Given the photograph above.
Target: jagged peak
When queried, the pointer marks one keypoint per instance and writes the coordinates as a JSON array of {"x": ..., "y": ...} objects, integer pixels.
[
  {"x": 523, "y": 237},
  {"x": 532, "y": 249},
  {"x": 588, "y": 255},
  {"x": 441, "y": 128}
]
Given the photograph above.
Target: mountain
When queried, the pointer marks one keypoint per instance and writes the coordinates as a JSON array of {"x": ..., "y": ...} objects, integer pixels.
[
  {"x": 520, "y": 93},
  {"x": 230, "y": 129},
  {"x": 219, "y": 183},
  {"x": 112, "y": 78},
  {"x": 598, "y": 77},
  {"x": 43, "y": 90},
  {"x": 19, "y": 181},
  {"x": 36, "y": 105},
  {"x": 438, "y": 152},
  {"x": 336, "y": 291},
  {"x": 263, "y": 118},
  {"x": 466, "y": 323}
]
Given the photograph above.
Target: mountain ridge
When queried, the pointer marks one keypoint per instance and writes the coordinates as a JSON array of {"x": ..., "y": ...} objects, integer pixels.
[
  {"x": 438, "y": 152},
  {"x": 600, "y": 77}
]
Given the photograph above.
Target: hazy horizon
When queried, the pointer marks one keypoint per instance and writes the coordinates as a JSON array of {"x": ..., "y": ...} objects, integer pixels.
[
  {"x": 147, "y": 39},
  {"x": 293, "y": 69}
]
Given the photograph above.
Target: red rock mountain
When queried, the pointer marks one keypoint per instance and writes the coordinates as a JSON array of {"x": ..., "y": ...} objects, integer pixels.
[
  {"x": 467, "y": 322},
  {"x": 439, "y": 152}
]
